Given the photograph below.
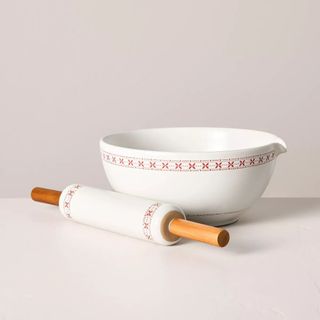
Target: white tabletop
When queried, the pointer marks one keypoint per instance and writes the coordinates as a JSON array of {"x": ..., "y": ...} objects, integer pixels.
[{"x": 51, "y": 268}]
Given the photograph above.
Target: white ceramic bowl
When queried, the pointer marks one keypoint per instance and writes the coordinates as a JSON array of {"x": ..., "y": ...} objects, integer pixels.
[{"x": 212, "y": 173}]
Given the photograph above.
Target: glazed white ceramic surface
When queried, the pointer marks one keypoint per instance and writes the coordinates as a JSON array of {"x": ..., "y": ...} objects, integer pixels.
[{"x": 213, "y": 174}]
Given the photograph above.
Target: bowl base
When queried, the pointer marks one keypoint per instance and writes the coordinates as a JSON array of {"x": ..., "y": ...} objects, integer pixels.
[{"x": 217, "y": 220}]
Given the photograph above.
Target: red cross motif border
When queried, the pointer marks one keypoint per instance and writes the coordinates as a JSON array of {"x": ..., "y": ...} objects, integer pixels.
[{"x": 188, "y": 165}]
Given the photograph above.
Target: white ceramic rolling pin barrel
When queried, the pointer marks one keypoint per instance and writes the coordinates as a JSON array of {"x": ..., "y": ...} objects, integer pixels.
[{"x": 129, "y": 215}]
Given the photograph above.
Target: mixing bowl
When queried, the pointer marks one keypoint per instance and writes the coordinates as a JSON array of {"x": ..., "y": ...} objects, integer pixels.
[{"x": 213, "y": 174}]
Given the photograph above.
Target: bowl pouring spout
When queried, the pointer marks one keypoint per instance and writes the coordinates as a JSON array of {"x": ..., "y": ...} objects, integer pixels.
[{"x": 279, "y": 146}]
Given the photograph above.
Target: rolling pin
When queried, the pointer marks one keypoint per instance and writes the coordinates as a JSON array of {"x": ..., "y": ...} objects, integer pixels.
[{"x": 129, "y": 215}]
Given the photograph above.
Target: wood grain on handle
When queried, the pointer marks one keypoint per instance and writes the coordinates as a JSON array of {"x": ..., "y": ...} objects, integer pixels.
[
  {"x": 46, "y": 195},
  {"x": 199, "y": 232}
]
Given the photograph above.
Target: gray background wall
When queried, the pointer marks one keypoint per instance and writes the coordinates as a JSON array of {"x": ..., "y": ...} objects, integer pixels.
[{"x": 73, "y": 71}]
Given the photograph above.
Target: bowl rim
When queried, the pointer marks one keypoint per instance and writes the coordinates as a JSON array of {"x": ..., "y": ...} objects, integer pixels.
[{"x": 278, "y": 145}]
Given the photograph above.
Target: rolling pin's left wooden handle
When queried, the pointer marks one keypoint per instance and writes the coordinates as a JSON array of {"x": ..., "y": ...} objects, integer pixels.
[{"x": 46, "y": 195}]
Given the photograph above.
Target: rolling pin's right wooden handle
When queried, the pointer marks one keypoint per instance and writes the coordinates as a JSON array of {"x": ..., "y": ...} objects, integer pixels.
[
  {"x": 46, "y": 195},
  {"x": 199, "y": 232}
]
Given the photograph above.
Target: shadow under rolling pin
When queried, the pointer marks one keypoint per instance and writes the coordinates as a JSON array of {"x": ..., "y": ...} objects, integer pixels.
[{"x": 129, "y": 215}]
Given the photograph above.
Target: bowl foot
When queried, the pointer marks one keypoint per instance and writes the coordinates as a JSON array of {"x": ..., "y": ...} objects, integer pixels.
[{"x": 217, "y": 220}]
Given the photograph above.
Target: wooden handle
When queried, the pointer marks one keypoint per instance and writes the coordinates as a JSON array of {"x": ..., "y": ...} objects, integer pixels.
[
  {"x": 199, "y": 232},
  {"x": 46, "y": 195}
]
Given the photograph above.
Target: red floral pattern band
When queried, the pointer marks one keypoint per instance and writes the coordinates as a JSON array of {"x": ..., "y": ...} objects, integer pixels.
[{"x": 187, "y": 165}]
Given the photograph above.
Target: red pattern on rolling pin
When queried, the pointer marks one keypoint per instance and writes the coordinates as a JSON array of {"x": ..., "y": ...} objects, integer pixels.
[
  {"x": 147, "y": 219},
  {"x": 66, "y": 204}
]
